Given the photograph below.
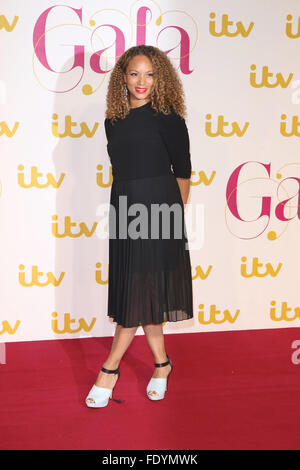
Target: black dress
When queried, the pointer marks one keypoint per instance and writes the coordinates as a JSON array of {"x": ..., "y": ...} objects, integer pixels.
[{"x": 149, "y": 276}]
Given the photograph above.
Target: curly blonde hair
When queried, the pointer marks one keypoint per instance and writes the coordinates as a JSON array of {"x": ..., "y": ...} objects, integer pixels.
[{"x": 168, "y": 90}]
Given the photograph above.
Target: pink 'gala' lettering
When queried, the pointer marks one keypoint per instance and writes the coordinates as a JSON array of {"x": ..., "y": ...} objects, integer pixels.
[
  {"x": 39, "y": 43},
  {"x": 279, "y": 211},
  {"x": 232, "y": 195},
  {"x": 39, "y": 33}
]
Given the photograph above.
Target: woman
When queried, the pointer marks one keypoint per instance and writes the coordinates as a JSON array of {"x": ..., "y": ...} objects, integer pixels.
[{"x": 149, "y": 276}]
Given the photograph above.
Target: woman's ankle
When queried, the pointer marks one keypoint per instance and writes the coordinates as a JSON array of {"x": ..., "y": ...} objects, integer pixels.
[
  {"x": 160, "y": 358},
  {"x": 111, "y": 364}
]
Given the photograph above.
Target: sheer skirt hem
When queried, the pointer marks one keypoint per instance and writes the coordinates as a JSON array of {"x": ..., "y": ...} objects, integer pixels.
[{"x": 154, "y": 322}]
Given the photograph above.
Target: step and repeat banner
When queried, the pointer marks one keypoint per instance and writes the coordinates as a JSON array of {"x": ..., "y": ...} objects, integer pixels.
[{"x": 238, "y": 62}]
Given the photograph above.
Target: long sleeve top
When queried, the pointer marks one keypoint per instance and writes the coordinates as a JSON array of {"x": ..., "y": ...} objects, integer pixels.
[{"x": 146, "y": 143}]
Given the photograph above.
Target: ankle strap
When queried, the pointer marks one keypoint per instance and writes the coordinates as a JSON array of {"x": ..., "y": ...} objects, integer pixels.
[
  {"x": 109, "y": 371},
  {"x": 162, "y": 364}
]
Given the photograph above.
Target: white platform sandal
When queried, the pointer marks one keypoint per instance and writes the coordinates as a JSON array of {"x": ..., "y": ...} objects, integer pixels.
[
  {"x": 159, "y": 384},
  {"x": 101, "y": 395}
]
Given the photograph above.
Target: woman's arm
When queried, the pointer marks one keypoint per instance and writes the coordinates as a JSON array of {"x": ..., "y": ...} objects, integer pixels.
[
  {"x": 175, "y": 135},
  {"x": 184, "y": 186}
]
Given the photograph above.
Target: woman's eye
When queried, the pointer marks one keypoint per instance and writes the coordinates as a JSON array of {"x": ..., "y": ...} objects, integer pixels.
[{"x": 149, "y": 74}]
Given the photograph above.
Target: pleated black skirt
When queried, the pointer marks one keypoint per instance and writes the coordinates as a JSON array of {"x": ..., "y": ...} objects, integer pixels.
[{"x": 149, "y": 272}]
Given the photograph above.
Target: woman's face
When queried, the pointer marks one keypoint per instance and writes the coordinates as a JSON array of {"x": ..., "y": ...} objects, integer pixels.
[{"x": 140, "y": 80}]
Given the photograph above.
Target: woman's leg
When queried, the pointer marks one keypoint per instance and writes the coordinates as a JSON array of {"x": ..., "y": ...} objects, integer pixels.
[
  {"x": 122, "y": 339},
  {"x": 155, "y": 338}
]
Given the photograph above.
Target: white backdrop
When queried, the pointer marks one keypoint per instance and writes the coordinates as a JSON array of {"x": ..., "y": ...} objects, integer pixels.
[{"x": 238, "y": 64}]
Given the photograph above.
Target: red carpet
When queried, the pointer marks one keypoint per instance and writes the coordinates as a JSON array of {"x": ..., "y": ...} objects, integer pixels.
[{"x": 227, "y": 390}]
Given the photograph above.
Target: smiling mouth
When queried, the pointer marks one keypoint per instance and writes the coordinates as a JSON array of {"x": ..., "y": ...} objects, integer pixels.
[{"x": 141, "y": 90}]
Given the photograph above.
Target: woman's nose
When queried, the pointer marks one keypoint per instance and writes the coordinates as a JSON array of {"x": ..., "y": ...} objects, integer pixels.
[{"x": 141, "y": 80}]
